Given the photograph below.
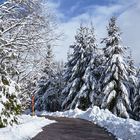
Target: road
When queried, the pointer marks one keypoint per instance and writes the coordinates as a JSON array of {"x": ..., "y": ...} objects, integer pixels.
[{"x": 73, "y": 129}]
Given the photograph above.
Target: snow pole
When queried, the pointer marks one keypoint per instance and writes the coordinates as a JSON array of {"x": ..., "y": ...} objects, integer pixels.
[{"x": 33, "y": 105}]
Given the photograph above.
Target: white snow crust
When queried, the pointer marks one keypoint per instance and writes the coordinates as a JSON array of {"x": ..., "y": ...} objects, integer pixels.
[{"x": 29, "y": 127}]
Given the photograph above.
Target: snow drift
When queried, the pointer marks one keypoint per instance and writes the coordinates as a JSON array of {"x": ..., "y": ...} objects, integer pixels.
[{"x": 29, "y": 127}]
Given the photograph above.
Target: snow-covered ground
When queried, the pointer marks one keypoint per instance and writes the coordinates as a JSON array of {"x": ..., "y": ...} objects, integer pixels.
[
  {"x": 123, "y": 129},
  {"x": 29, "y": 127}
]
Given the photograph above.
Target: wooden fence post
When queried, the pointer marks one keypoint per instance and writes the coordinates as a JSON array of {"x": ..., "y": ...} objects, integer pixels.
[{"x": 33, "y": 105}]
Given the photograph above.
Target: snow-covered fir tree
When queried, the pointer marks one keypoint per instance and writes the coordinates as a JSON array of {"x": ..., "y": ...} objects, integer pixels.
[
  {"x": 133, "y": 80},
  {"x": 29, "y": 86},
  {"x": 52, "y": 96},
  {"x": 98, "y": 70},
  {"x": 79, "y": 72},
  {"x": 136, "y": 102},
  {"x": 49, "y": 85},
  {"x": 48, "y": 68},
  {"x": 9, "y": 102},
  {"x": 114, "y": 81},
  {"x": 48, "y": 63}
]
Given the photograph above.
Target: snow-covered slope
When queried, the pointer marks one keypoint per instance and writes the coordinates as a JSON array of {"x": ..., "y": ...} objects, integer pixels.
[
  {"x": 123, "y": 129},
  {"x": 29, "y": 127}
]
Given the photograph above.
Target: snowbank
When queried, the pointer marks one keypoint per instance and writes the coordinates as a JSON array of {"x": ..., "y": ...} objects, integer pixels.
[
  {"x": 125, "y": 129},
  {"x": 29, "y": 127}
]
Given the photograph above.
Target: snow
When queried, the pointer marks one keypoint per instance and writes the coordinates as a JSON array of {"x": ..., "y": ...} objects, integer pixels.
[
  {"x": 1, "y": 107},
  {"x": 123, "y": 129},
  {"x": 12, "y": 88},
  {"x": 3, "y": 99},
  {"x": 111, "y": 96},
  {"x": 29, "y": 127}
]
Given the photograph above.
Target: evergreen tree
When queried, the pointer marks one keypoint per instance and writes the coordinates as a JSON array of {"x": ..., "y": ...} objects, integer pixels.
[
  {"x": 52, "y": 96},
  {"x": 50, "y": 84},
  {"x": 9, "y": 102},
  {"x": 49, "y": 66},
  {"x": 44, "y": 83},
  {"x": 136, "y": 102},
  {"x": 114, "y": 80},
  {"x": 30, "y": 86},
  {"x": 79, "y": 76},
  {"x": 133, "y": 80},
  {"x": 98, "y": 70}
]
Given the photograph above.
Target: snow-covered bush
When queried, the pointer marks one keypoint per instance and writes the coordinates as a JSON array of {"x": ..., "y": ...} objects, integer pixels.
[{"x": 9, "y": 103}]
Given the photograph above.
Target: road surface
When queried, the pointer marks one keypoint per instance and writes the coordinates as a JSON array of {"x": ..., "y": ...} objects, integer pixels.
[{"x": 72, "y": 129}]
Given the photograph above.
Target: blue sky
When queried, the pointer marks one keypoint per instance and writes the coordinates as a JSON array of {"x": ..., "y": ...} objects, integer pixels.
[
  {"x": 72, "y": 8},
  {"x": 71, "y": 13},
  {"x": 1, "y": 1}
]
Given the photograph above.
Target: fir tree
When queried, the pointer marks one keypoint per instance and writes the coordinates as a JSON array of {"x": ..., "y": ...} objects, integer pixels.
[
  {"x": 133, "y": 80},
  {"x": 79, "y": 75},
  {"x": 114, "y": 80},
  {"x": 136, "y": 102},
  {"x": 45, "y": 80},
  {"x": 48, "y": 64},
  {"x": 9, "y": 102},
  {"x": 52, "y": 96},
  {"x": 50, "y": 84}
]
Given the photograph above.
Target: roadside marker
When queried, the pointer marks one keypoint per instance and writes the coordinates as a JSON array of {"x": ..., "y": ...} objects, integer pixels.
[{"x": 33, "y": 104}]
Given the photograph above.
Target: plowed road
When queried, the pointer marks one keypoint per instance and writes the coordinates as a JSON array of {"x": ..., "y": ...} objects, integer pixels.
[{"x": 72, "y": 129}]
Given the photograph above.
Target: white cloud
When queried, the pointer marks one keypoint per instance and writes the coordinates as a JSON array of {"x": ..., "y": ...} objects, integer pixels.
[
  {"x": 53, "y": 7},
  {"x": 130, "y": 25},
  {"x": 128, "y": 20}
]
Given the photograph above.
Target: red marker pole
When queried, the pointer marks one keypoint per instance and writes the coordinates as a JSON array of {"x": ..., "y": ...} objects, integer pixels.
[{"x": 33, "y": 104}]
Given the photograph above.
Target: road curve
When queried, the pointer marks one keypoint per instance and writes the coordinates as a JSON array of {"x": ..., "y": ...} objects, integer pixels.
[{"x": 72, "y": 129}]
